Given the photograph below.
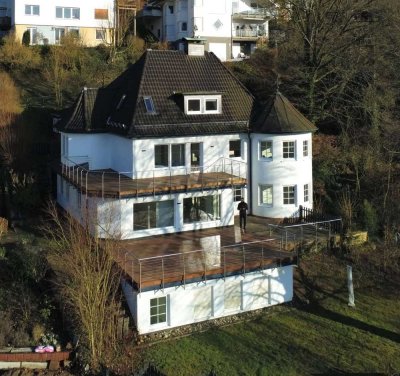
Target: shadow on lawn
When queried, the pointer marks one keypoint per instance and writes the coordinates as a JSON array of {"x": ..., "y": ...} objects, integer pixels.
[{"x": 316, "y": 309}]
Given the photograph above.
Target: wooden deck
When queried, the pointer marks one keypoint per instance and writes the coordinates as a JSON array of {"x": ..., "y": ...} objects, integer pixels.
[
  {"x": 109, "y": 183},
  {"x": 200, "y": 255}
]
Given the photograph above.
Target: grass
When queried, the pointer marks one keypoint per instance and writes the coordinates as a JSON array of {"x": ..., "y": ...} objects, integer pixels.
[{"x": 325, "y": 336}]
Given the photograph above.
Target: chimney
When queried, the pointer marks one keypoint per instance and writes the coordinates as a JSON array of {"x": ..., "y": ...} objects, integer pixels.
[{"x": 194, "y": 46}]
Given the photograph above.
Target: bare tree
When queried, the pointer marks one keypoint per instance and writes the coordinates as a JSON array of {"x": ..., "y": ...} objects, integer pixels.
[{"x": 87, "y": 281}]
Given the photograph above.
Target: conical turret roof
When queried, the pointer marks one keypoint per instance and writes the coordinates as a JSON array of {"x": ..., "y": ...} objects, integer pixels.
[{"x": 280, "y": 116}]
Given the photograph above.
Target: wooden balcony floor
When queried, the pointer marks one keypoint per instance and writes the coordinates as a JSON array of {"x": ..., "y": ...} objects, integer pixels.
[
  {"x": 108, "y": 183},
  {"x": 198, "y": 255}
]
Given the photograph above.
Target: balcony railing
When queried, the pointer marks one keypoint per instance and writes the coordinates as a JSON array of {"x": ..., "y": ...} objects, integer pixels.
[
  {"x": 254, "y": 14},
  {"x": 203, "y": 264},
  {"x": 224, "y": 172}
]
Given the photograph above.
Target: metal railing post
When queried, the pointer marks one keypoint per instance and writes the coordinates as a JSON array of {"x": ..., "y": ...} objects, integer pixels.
[
  {"x": 244, "y": 261},
  {"x": 140, "y": 277},
  {"x": 162, "y": 268},
  {"x": 184, "y": 270},
  {"x": 205, "y": 265},
  {"x": 102, "y": 186},
  {"x": 224, "y": 250},
  {"x": 154, "y": 188}
]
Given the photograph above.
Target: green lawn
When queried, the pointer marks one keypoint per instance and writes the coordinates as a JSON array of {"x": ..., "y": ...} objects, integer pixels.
[{"x": 325, "y": 336}]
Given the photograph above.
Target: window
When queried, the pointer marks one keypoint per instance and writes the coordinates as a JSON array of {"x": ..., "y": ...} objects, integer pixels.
[
  {"x": 288, "y": 149},
  {"x": 73, "y": 32},
  {"x": 158, "y": 310},
  {"x": 184, "y": 26},
  {"x": 266, "y": 195},
  {"x": 59, "y": 34},
  {"x": 149, "y": 104},
  {"x": 305, "y": 148},
  {"x": 33, "y": 35},
  {"x": 234, "y": 148},
  {"x": 211, "y": 105},
  {"x": 204, "y": 104},
  {"x": 288, "y": 195},
  {"x": 177, "y": 155},
  {"x": 195, "y": 155},
  {"x": 32, "y": 10},
  {"x": 266, "y": 150},
  {"x": 194, "y": 105},
  {"x": 101, "y": 14},
  {"x": 306, "y": 192},
  {"x": 161, "y": 156},
  {"x": 237, "y": 193},
  {"x": 169, "y": 155},
  {"x": 201, "y": 209},
  {"x": 68, "y": 13},
  {"x": 153, "y": 215},
  {"x": 171, "y": 9},
  {"x": 100, "y": 34},
  {"x": 121, "y": 101}
]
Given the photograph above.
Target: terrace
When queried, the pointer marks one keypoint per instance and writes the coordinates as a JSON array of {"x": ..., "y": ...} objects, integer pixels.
[
  {"x": 109, "y": 183},
  {"x": 178, "y": 259}
]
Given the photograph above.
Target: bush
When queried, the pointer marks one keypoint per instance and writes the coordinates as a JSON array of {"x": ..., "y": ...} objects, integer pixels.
[{"x": 369, "y": 218}]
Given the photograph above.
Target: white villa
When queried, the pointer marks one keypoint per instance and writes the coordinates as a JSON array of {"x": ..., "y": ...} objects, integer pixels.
[
  {"x": 168, "y": 148},
  {"x": 47, "y": 23},
  {"x": 230, "y": 28}
]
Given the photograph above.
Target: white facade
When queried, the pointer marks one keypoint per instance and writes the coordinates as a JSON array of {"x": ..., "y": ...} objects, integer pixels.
[
  {"x": 136, "y": 158},
  {"x": 281, "y": 180},
  {"x": 47, "y": 23},
  {"x": 212, "y": 299}
]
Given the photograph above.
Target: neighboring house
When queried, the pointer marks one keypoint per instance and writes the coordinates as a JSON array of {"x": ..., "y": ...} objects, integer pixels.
[
  {"x": 169, "y": 147},
  {"x": 230, "y": 28},
  {"x": 92, "y": 20}
]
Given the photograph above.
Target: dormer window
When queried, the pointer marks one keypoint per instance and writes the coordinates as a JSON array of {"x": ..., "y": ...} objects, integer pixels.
[
  {"x": 149, "y": 104},
  {"x": 203, "y": 104}
]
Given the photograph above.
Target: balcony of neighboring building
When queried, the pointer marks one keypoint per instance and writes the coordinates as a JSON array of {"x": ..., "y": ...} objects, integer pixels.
[
  {"x": 103, "y": 183},
  {"x": 150, "y": 11},
  {"x": 247, "y": 31},
  {"x": 253, "y": 14},
  {"x": 130, "y": 4}
]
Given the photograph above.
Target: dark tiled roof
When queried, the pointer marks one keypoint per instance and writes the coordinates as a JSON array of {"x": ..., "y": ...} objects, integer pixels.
[
  {"x": 164, "y": 76},
  {"x": 280, "y": 116}
]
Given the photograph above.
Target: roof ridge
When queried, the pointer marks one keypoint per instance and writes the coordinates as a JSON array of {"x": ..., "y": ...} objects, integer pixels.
[{"x": 144, "y": 57}]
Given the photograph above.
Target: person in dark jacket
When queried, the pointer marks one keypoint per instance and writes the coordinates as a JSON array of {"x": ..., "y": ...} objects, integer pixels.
[{"x": 242, "y": 207}]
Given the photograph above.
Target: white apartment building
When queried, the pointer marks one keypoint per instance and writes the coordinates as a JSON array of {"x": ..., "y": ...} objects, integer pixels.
[
  {"x": 47, "y": 22},
  {"x": 231, "y": 28}
]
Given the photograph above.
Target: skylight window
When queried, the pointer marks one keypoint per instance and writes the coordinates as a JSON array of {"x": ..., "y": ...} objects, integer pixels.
[
  {"x": 149, "y": 104},
  {"x": 121, "y": 102}
]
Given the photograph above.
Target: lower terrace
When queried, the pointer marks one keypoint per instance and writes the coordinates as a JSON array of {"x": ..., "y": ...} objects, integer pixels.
[{"x": 195, "y": 256}]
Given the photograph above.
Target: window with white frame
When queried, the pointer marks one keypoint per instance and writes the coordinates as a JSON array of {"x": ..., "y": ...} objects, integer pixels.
[
  {"x": 306, "y": 193},
  {"x": 33, "y": 35},
  {"x": 68, "y": 13},
  {"x": 237, "y": 193},
  {"x": 169, "y": 155},
  {"x": 203, "y": 104},
  {"x": 32, "y": 10},
  {"x": 59, "y": 33},
  {"x": 235, "y": 148},
  {"x": 201, "y": 209},
  {"x": 289, "y": 195},
  {"x": 305, "y": 148},
  {"x": 266, "y": 194},
  {"x": 100, "y": 34},
  {"x": 266, "y": 150},
  {"x": 289, "y": 149},
  {"x": 158, "y": 310},
  {"x": 148, "y": 215}
]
